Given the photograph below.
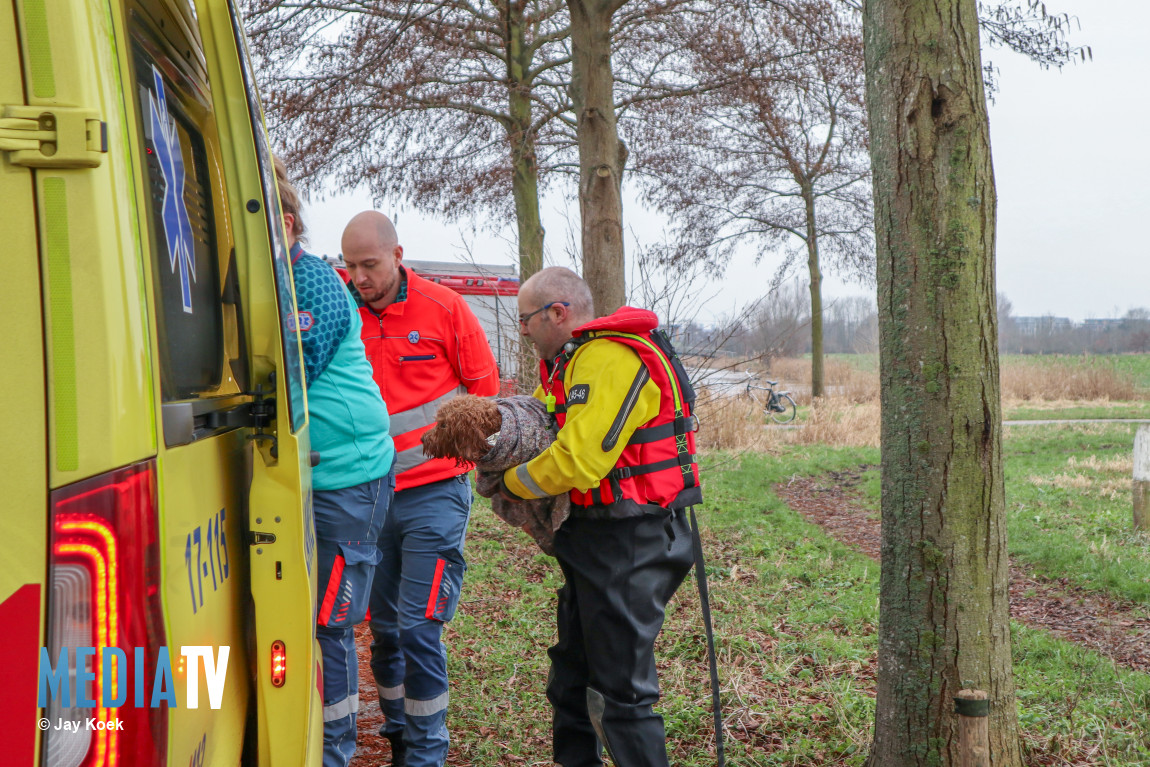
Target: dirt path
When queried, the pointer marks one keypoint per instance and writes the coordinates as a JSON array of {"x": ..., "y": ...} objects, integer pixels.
[{"x": 1117, "y": 629}]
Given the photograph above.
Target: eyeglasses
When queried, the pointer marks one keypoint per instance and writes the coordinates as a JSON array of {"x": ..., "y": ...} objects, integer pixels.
[{"x": 525, "y": 318}]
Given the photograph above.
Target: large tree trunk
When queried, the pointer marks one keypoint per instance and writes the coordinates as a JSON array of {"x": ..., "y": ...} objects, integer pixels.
[
  {"x": 601, "y": 154},
  {"x": 525, "y": 188},
  {"x": 817, "y": 389},
  {"x": 944, "y": 621},
  {"x": 524, "y": 162},
  {"x": 524, "y": 171}
]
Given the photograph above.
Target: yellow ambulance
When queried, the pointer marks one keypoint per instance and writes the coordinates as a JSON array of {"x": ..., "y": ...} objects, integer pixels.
[{"x": 154, "y": 460}]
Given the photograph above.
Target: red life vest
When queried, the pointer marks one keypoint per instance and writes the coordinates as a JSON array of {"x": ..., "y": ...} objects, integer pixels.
[{"x": 657, "y": 469}]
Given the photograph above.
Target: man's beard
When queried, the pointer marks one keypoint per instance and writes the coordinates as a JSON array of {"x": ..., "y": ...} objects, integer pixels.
[{"x": 378, "y": 295}]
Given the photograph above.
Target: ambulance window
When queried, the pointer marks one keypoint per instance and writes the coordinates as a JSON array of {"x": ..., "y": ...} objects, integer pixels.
[
  {"x": 185, "y": 266},
  {"x": 289, "y": 332}
]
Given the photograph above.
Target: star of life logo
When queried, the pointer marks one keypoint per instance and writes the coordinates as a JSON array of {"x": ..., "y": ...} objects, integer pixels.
[
  {"x": 300, "y": 321},
  {"x": 161, "y": 131}
]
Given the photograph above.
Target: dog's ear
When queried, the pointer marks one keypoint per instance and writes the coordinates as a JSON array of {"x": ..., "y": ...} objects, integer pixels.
[
  {"x": 440, "y": 442},
  {"x": 490, "y": 419}
]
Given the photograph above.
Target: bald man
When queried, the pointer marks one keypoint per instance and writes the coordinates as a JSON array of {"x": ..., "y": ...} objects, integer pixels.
[{"x": 425, "y": 347}]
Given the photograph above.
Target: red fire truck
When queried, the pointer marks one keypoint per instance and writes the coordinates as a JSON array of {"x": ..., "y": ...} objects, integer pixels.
[{"x": 492, "y": 293}]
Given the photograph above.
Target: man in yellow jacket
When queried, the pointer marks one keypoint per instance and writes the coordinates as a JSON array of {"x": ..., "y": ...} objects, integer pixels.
[{"x": 625, "y": 454}]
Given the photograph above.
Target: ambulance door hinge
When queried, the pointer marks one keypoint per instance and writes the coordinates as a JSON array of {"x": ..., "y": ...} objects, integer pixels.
[
  {"x": 53, "y": 136},
  {"x": 262, "y": 410},
  {"x": 261, "y": 415}
]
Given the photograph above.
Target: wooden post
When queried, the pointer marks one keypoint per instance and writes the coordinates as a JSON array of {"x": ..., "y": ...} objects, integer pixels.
[
  {"x": 1142, "y": 479},
  {"x": 973, "y": 710}
]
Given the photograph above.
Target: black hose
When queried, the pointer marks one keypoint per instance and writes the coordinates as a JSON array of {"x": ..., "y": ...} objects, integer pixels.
[{"x": 704, "y": 600}]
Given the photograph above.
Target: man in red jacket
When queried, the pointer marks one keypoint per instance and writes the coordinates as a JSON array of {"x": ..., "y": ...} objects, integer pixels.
[{"x": 425, "y": 346}]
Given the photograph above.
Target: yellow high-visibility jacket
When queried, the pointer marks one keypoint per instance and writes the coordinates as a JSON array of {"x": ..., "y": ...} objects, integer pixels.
[{"x": 577, "y": 459}]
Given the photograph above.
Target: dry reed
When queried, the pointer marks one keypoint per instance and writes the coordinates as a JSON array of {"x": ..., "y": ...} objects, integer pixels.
[
  {"x": 1026, "y": 381},
  {"x": 730, "y": 423},
  {"x": 837, "y": 421},
  {"x": 849, "y": 414},
  {"x": 1074, "y": 381},
  {"x": 840, "y": 380}
]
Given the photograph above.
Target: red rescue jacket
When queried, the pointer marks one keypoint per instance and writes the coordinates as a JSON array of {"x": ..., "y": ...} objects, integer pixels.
[
  {"x": 658, "y": 466},
  {"x": 425, "y": 348}
]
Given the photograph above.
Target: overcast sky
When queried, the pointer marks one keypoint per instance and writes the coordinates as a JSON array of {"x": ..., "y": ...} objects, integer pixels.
[{"x": 1072, "y": 165}]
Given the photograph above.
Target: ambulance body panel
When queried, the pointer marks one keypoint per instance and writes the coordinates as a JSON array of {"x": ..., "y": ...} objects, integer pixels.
[
  {"x": 23, "y": 437},
  {"x": 155, "y": 453}
]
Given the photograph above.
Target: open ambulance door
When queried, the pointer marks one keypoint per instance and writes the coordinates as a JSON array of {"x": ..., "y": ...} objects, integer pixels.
[{"x": 281, "y": 529}]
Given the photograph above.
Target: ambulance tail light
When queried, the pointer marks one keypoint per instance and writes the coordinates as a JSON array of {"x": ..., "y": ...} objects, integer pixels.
[
  {"x": 104, "y": 570},
  {"x": 279, "y": 663}
]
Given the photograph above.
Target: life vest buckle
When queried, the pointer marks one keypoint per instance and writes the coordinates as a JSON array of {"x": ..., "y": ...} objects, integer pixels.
[{"x": 620, "y": 472}]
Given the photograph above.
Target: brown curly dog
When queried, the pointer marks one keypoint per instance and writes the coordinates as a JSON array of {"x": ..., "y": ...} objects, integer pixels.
[{"x": 462, "y": 426}]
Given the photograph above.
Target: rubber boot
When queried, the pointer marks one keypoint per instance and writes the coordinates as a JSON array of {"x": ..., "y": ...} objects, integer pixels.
[
  {"x": 634, "y": 736},
  {"x": 398, "y": 750}
]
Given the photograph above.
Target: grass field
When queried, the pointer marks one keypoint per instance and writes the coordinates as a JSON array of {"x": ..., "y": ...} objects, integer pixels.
[
  {"x": 1062, "y": 410},
  {"x": 796, "y": 614},
  {"x": 1136, "y": 366},
  {"x": 1069, "y": 506}
]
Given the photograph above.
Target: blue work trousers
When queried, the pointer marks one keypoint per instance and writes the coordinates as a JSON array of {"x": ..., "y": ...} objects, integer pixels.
[
  {"x": 415, "y": 591},
  {"x": 347, "y": 525}
]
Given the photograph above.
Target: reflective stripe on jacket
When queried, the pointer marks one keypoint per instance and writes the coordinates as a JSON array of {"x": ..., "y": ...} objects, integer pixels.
[
  {"x": 424, "y": 350},
  {"x": 626, "y": 443}
]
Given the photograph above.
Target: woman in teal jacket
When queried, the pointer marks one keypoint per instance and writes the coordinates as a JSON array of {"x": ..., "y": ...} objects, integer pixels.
[{"x": 354, "y": 480}]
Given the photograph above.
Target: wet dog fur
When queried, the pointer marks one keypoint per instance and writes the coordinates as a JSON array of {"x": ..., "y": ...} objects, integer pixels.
[{"x": 462, "y": 426}]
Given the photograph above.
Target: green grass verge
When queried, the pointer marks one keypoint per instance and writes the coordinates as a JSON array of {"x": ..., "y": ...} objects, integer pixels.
[
  {"x": 868, "y": 363},
  {"x": 796, "y": 615},
  {"x": 1069, "y": 506},
  {"x": 1137, "y": 366},
  {"x": 1135, "y": 409}
]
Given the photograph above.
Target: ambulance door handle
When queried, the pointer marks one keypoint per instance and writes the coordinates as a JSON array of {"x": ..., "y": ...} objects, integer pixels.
[
  {"x": 187, "y": 422},
  {"x": 179, "y": 422}
]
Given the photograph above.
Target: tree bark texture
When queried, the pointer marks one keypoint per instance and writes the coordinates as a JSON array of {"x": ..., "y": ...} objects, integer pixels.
[
  {"x": 521, "y": 139},
  {"x": 524, "y": 172},
  {"x": 817, "y": 387},
  {"x": 601, "y": 154},
  {"x": 944, "y": 620}
]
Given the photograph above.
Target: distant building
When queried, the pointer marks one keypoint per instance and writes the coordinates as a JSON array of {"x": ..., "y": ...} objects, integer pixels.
[
  {"x": 1033, "y": 326},
  {"x": 1101, "y": 325}
]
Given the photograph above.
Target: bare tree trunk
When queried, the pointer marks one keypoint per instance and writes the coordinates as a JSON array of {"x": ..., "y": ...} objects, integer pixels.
[
  {"x": 524, "y": 172},
  {"x": 817, "y": 388},
  {"x": 524, "y": 162},
  {"x": 944, "y": 619},
  {"x": 525, "y": 188},
  {"x": 602, "y": 155}
]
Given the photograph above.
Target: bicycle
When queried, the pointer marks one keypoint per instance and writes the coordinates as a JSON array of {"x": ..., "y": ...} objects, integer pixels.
[{"x": 779, "y": 406}]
